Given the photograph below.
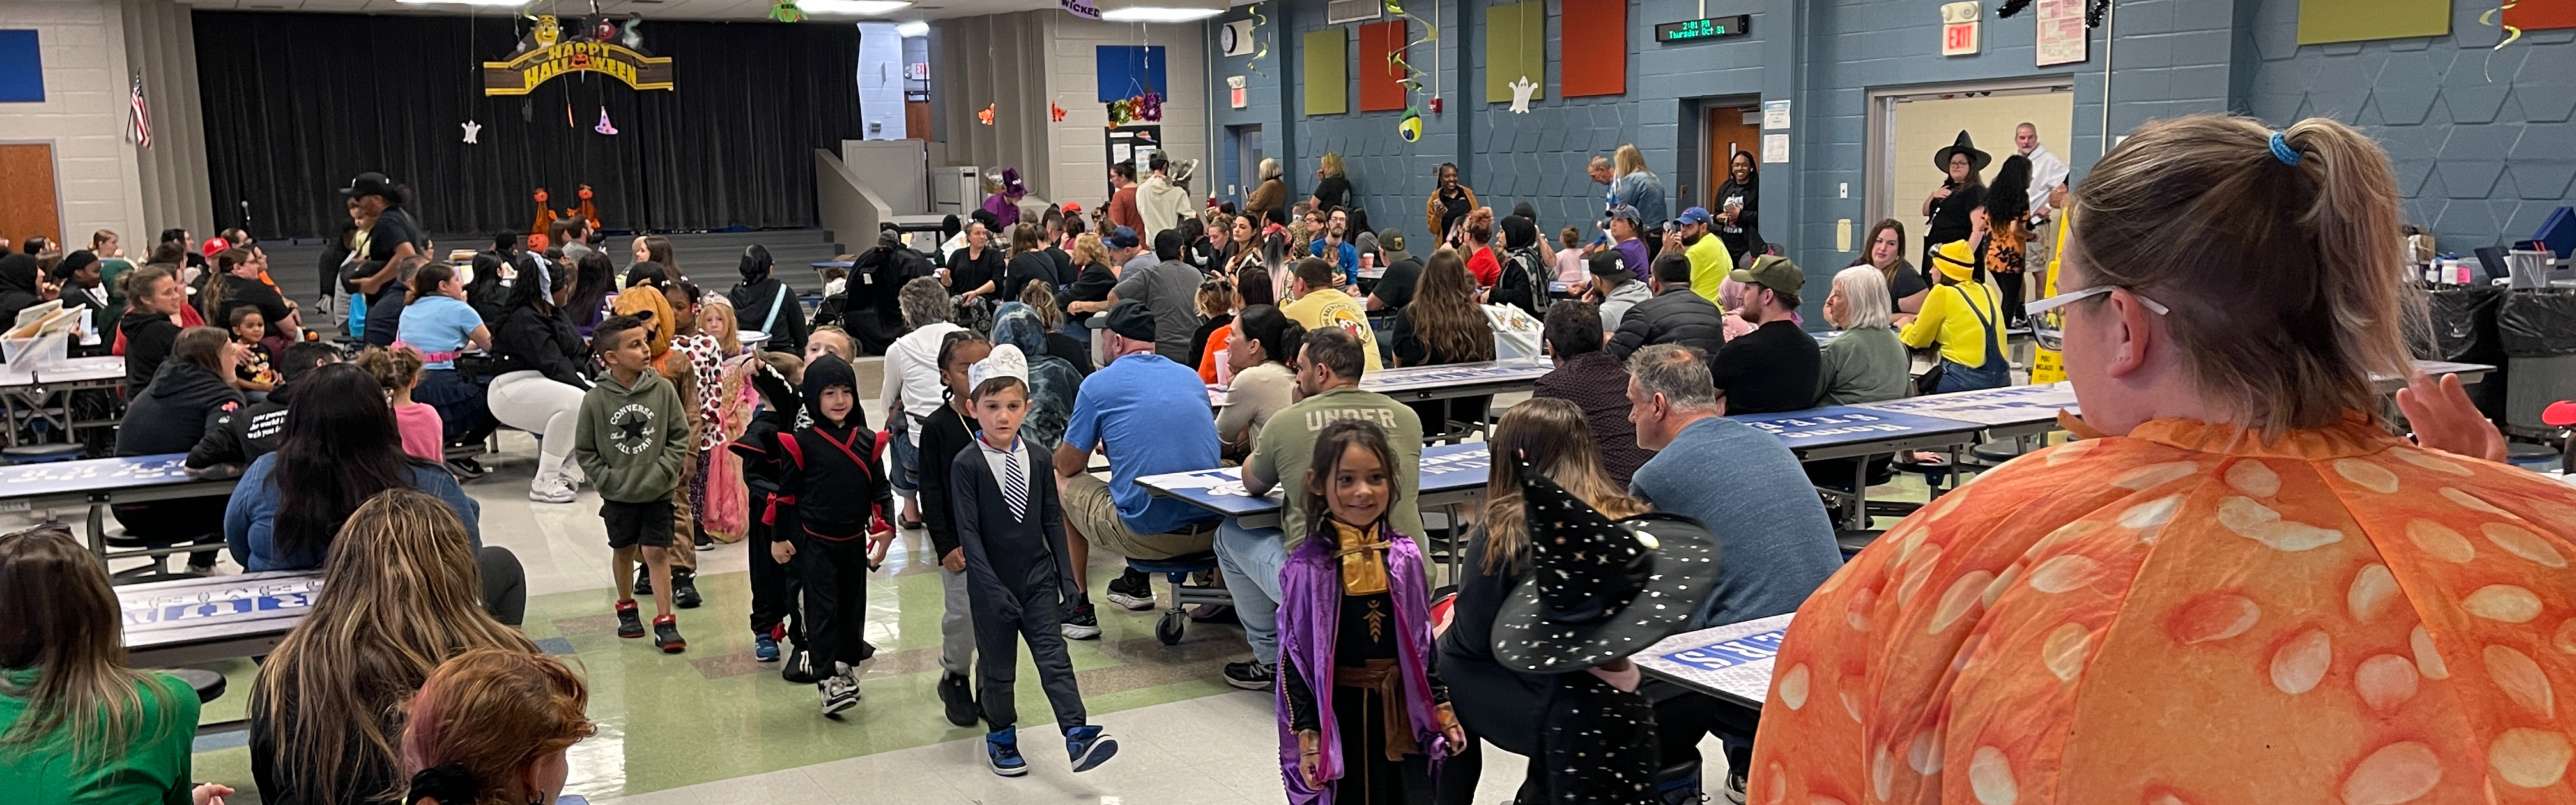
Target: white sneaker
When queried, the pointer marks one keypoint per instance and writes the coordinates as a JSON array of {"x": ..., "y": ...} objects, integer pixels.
[
  {"x": 551, "y": 490},
  {"x": 840, "y": 691}
]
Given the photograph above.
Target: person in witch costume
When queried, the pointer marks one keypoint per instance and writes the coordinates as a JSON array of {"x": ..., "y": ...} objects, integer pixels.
[
  {"x": 1962, "y": 190},
  {"x": 1597, "y": 591},
  {"x": 1361, "y": 720}
]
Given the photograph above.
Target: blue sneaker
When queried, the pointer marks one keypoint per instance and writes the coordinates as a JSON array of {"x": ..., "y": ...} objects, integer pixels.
[
  {"x": 763, "y": 647},
  {"x": 1002, "y": 752},
  {"x": 1090, "y": 746}
]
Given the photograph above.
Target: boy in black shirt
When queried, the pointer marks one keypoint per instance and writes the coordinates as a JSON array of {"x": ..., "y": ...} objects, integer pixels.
[
  {"x": 837, "y": 492},
  {"x": 1010, "y": 526},
  {"x": 945, "y": 433}
]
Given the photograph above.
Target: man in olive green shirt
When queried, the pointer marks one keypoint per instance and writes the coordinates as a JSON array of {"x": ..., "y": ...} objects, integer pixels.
[{"x": 1329, "y": 366}]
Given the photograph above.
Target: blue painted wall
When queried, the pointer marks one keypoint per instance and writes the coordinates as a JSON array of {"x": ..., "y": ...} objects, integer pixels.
[
  {"x": 2479, "y": 162},
  {"x": 2481, "y": 137}
]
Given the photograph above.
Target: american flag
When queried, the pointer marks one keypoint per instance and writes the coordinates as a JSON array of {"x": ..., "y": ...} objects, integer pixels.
[{"x": 140, "y": 116}]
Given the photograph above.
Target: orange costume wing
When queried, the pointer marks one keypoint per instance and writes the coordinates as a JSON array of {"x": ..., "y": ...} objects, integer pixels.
[{"x": 2166, "y": 618}]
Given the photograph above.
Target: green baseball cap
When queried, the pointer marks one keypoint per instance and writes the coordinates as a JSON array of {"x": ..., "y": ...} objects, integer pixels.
[{"x": 1774, "y": 272}]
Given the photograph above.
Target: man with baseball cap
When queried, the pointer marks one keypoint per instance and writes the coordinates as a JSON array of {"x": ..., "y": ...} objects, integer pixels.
[
  {"x": 393, "y": 234},
  {"x": 1614, "y": 288},
  {"x": 1403, "y": 271},
  {"x": 1149, "y": 415},
  {"x": 1774, "y": 368},
  {"x": 1708, "y": 258}
]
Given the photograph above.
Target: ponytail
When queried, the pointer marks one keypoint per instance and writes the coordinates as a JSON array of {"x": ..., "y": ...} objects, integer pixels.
[
  {"x": 2282, "y": 265},
  {"x": 425, "y": 282}
]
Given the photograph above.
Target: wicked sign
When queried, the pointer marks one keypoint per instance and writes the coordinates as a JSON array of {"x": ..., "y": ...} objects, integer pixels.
[{"x": 603, "y": 45}]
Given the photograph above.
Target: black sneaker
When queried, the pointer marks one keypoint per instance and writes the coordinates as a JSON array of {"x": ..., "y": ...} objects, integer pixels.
[
  {"x": 684, "y": 589},
  {"x": 1133, "y": 590},
  {"x": 666, "y": 635},
  {"x": 1081, "y": 624},
  {"x": 959, "y": 699},
  {"x": 465, "y": 468},
  {"x": 630, "y": 621},
  {"x": 643, "y": 580},
  {"x": 1251, "y": 674},
  {"x": 800, "y": 669}
]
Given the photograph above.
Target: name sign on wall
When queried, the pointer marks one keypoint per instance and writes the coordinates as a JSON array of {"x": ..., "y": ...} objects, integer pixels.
[{"x": 604, "y": 46}]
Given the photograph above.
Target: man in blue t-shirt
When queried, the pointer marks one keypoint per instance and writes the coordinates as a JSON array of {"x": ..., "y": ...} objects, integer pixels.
[
  {"x": 1149, "y": 415},
  {"x": 1336, "y": 247}
]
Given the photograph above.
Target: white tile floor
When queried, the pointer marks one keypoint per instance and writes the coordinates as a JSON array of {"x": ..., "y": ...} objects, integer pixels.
[{"x": 1219, "y": 750}]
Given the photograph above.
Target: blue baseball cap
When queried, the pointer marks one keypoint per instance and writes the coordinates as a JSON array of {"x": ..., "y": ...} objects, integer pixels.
[
  {"x": 1122, "y": 238},
  {"x": 1694, "y": 215}
]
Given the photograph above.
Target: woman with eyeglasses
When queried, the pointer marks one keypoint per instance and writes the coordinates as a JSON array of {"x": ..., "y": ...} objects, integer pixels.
[{"x": 2237, "y": 585}]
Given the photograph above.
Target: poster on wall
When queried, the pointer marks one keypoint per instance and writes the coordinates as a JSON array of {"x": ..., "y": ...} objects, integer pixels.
[
  {"x": 2062, "y": 37},
  {"x": 1328, "y": 63},
  {"x": 2323, "y": 21},
  {"x": 1515, "y": 48}
]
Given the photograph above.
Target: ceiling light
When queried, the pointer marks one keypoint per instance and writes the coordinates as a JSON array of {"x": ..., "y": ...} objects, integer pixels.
[
  {"x": 912, "y": 29},
  {"x": 463, "y": 2},
  {"x": 851, "y": 6},
  {"x": 1158, "y": 14}
]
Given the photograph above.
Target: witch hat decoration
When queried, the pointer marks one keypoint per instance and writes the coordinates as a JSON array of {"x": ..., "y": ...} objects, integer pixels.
[{"x": 1598, "y": 589}]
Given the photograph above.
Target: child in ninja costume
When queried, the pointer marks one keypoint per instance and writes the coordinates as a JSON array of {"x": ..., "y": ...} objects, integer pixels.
[
  {"x": 774, "y": 584},
  {"x": 1018, "y": 574},
  {"x": 835, "y": 493}
]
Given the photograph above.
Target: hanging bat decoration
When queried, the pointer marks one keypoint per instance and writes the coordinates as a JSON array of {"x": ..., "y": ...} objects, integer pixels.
[
  {"x": 2095, "y": 11},
  {"x": 2010, "y": 7}
]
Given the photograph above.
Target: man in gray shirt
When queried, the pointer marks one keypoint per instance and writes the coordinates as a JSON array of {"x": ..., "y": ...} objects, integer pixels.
[
  {"x": 1170, "y": 289},
  {"x": 1776, "y": 543}
]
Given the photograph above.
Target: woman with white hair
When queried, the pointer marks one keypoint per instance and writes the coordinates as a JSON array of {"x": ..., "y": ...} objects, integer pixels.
[
  {"x": 1866, "y": 363},
  {"x": 1272, "y": 194}
]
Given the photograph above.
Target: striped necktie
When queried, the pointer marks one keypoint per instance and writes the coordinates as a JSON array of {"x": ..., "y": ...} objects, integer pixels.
[{"x": 1015, "y": 483}]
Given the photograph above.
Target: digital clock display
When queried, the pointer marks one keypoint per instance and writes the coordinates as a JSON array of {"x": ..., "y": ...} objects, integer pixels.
[{"x": 1696, "y": 30}]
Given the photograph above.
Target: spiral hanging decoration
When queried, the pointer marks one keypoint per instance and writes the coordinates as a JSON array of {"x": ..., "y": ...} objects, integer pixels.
[
  {"x": 1260, "y": 22},
  {"x": 2495, "y": 17}
]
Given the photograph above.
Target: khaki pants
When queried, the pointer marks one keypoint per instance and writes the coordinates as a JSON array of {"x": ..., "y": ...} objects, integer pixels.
[{"x": 1089, "y": 508}]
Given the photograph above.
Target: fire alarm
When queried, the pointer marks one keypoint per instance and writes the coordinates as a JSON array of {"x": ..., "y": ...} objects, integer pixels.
[{"x": 1435, "y": 105}]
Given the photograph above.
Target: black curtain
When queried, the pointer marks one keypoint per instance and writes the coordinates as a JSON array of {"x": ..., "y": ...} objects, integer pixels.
[{"x": 296, "y": 104}]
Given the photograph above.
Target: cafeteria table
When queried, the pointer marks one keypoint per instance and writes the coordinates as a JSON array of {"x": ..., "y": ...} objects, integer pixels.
[
  {"x": 94, "y": 484},
  {"x": 1443, "y": 381},
  {"x": 1731, "y": 662},
  {"x": 44, "y": 393},
  {"x": 1450, "y": 477},
  {"x": 186, "y": 621}
]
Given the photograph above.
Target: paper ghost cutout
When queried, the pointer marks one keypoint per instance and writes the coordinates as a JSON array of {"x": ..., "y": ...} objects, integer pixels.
[
  {"x": 472, "y": 130},
  {"x": 1521, "y": 91}
]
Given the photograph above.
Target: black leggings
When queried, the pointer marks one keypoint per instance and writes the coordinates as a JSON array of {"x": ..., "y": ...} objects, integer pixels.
[
  {"x": 2009, "y": 282},
  {"x": 505, "y": 584}
]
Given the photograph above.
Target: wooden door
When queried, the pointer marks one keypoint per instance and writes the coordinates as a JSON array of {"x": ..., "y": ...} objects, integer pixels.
[
  {"x": 28, "y": 205},
  {"x": 1727, "y": 134},
  {"x": 916, "y": 120}
]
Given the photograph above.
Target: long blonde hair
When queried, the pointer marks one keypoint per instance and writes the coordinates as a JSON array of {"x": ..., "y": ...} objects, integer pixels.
[
  {"x": 715, "y": 318},
  {"x": 1552, "y": 435},
  {"x": 401, "y": 593},
  {"x": 58, "y": 616},
  {"x": 1088, "y": 250},
  {"x": 1627, "y": 160},
  {"x": 2284, "y": 276},
  {"x": 1332, "y": 163}
]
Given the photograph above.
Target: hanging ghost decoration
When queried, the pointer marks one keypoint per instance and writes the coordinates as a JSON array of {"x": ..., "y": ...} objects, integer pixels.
[{"x": 472, "y": 130}]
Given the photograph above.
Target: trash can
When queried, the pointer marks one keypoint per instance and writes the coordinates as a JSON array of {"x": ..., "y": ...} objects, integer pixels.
[
  {"x": 2464, "y": 330},
  {"x": 2537, "y": 329}
]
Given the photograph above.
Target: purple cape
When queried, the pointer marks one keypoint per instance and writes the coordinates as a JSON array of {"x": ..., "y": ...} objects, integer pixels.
[{"x": 1310, "y": 595}]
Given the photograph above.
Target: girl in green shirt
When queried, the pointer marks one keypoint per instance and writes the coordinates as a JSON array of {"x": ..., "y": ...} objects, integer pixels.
[{"x": 76, "y": 725}]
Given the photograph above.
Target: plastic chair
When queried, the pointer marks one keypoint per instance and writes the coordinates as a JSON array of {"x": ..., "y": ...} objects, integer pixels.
[
  {"x": 42, "y": 453},
  {"x": 1175, "y": 570}
]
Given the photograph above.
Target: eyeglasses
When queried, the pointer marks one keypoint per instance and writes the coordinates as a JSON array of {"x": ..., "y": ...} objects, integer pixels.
[{"x": 2048, "y": 316}]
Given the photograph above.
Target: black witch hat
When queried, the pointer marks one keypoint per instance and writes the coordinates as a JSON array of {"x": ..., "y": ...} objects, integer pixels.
[
  {"x": 1977, "y": 160},
  {"x": 1599, "y": 589}
]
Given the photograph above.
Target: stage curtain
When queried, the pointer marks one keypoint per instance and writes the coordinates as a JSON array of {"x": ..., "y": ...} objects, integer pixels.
[{"x": 296, "y": 104}]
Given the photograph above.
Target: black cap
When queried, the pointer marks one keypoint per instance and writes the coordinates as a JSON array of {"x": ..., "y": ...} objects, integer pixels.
[
  {"x": 1131, "y": 320},
  {"x": 1609, "y": 264},
  {"x": 370, "y": 183}
]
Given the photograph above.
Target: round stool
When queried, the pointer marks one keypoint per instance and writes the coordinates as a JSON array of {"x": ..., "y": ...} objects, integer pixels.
[
  {"x": 42, "y": 453},
  {"x": 209, "y": 685}
]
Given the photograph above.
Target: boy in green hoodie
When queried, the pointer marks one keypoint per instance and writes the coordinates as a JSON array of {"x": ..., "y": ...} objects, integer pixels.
[{"x": 632, "y": 439}]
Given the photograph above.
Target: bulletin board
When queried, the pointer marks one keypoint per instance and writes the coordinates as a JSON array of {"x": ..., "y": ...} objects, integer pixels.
[
  {"x": 1515, "y": 46},
  {"x": 1381, "y": 81},
  {"x": 1127, "y": 71},
  {"x": 1124, "y": 143},
  {"x": 1593, "y": 27},
  {"x": 1326, "y": 55},
  {"x": 22, "y": 68}
]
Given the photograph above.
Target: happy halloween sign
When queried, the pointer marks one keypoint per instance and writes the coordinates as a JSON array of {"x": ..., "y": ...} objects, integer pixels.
[{"x": 605, "y": 46}]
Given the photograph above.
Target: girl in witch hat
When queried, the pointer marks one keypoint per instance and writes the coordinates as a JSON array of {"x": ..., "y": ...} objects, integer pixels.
[{"x": 1361, "y": 719}]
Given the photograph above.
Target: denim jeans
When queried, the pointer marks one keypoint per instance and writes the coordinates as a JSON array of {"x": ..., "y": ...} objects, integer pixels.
[{"x": 1250, "y": 558}]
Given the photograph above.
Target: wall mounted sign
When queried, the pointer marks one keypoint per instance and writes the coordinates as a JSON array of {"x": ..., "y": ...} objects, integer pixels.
[
  {"x": 1704, "y": 29},
  {"x": 604, "y": 46},
  {"x": 1775, "y": 148},
  {"x": 1959, "y": 29},
  {"x": 1079, "y": 8},
  {"x": 1775, "y": 115},
  {"x": 1234, "y": 92},
  {"x": 2062, "y": 36}
]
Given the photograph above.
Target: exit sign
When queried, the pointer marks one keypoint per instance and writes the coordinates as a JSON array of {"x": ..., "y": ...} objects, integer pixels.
[
  {"x": 1704, "y": 29},
  {"x": 1959, "y": 29}
]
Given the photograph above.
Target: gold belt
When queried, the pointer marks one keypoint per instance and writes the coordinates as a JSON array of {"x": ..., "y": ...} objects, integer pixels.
[{"x": 1386, "y": 679}]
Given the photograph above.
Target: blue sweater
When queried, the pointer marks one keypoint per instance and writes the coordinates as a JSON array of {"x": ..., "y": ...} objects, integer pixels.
[
  {"x": 250, "y": 517},
  {"x": 1776, "y": 545}
]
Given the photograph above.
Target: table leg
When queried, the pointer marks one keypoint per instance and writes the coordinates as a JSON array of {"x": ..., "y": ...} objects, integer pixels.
[
  {"x": 97, "y": 522},
  {"x": 1457, "y": 544},
  {"x": 1859, "y": 503}
]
